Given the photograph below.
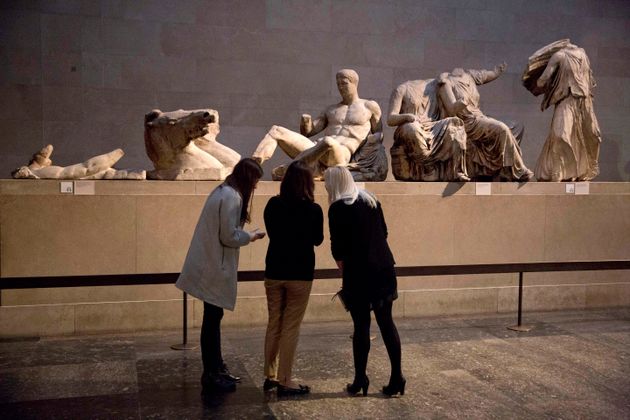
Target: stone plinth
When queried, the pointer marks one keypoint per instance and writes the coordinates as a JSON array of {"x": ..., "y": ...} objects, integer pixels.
[{"x": 145, "y": 227}]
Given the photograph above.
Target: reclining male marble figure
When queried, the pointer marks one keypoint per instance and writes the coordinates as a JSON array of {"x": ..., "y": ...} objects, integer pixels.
[
  {"x": 352, "y": 136},
  {"x": 97, "y": 167},
  {"x": 426, "y": 148},
  {"x": 492, "y": 149},
  {"x": 182, "y": 145}
]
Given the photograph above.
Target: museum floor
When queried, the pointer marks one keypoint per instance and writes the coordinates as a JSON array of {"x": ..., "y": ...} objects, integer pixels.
[{"x": 571, "y": 365}]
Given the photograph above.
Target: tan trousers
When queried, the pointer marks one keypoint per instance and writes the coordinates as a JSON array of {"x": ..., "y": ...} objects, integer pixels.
[{"x": 286, "y": 303}]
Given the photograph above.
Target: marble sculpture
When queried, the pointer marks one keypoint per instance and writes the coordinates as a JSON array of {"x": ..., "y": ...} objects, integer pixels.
[
  {"x": 182, "y": 146},
  {"x": 98, "y": 167},
  {"x": 426, "y": 147},
  {"x": 350, "y": 132},
  {"x": 562, "y": 72},
  {"x": 492, "y": 148}
]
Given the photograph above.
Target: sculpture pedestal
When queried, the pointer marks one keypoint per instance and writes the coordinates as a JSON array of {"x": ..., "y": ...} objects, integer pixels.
[{"x": 139, "y": 227}]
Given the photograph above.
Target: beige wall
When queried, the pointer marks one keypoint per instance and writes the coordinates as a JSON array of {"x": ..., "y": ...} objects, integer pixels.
[
  {"x": 82, "y": 74},
  {"x": 145, "y": 227}
]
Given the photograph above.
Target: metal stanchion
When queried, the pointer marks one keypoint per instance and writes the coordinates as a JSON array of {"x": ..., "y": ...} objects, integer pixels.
[
  {"x": 184, "y": 345},
  {"x": 519, "y": 327}
]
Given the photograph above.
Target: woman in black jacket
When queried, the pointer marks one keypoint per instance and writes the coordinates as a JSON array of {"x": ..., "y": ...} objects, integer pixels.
[
  {"x": 358, "y": 240},
  {"x": 295, "y": 224}
]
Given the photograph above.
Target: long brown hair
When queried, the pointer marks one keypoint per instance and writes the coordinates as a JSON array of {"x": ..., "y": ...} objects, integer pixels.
[
  {"x": 298, "y": 183},
  {"x": 243, "y": 179}
]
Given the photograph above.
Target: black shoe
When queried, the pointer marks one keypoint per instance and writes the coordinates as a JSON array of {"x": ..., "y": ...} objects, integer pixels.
[
  {"x": 217, "y": 383},
  {"x": 357, "y": 386},
  {"x": 270, "y": 384},
  {"x": 225, "y": 373},
  {"x": 284, "y": 391},
  {"x": 395, "y": 386}
]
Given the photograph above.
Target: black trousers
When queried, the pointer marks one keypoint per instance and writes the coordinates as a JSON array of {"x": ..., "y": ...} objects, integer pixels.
[
  {"x": 361, "y": 339},
  {"x": 211, "y": 339}
]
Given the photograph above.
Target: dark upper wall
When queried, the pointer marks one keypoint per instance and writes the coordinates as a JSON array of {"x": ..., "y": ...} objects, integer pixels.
[{"x": 82, "y": 74}]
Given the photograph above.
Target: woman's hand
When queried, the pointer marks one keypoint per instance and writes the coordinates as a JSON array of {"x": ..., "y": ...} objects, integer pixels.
[{"x": 256, "y": 234}]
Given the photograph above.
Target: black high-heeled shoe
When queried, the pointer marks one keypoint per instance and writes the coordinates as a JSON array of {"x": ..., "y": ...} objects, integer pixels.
[
  {"x": 357, "y": 386},
  {"x": 395, "y": 386}
]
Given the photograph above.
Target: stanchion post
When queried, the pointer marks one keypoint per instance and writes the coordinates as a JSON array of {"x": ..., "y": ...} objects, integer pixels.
[
  {"x": 519, "y": 326},
  {"x": 184, "y": 345}
]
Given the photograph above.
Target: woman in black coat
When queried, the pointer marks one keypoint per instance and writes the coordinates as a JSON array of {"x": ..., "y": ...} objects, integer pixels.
[
  {"x": 358, "y": 236},
  {"x": 295, "y": 224}
]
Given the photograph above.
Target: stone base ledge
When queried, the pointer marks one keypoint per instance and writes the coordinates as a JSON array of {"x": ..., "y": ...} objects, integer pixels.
[{"x": 91, "y": 318}]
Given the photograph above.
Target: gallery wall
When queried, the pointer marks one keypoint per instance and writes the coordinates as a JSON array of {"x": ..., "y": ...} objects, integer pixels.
[{"x": 81, "y": 74}]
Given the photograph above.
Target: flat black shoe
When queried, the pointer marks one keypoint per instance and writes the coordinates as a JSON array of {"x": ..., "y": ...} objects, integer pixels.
[
  {"x": 225, "y": 373},
  {"x": 217, "y": 383},
  {"x": 270, "y": 384},
  {"x": 285, "y": 391}
]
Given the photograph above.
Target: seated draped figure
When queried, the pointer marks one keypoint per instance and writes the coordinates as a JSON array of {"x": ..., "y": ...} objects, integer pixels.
[
  {"x": 182, "y": 145},
  {"x": 426, "y": 147},
  {"x": 97, "y": 167},
  {"x": 492, "y": 149},
  {"x": 351, "y": 135}
]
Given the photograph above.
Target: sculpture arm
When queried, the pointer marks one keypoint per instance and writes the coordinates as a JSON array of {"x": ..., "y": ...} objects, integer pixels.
[
  {"x": 452, "y": 105},
  {"x": 550, "y": 70},
  {"x": 310, "y": 127},
  {"x": 395, "y": 118},
  {"x": 486, "y": 76},
  {"x": 376, "y": 125}
]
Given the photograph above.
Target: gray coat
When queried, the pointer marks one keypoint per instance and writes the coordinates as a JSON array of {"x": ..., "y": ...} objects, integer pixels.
[{"x": 211, "y": 265}]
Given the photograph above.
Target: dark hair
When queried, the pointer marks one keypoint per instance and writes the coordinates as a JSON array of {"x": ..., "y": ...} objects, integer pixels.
[
  {"x": 243, "y": 179},
  {"x": 298, "y": 182}
]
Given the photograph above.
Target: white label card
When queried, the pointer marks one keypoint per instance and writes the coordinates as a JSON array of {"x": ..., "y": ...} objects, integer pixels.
[
  {"x": 582, "y": 188},
  {"x": 84, "y": 187},
  {"x": 66, "y": 187},
  {"x": 483, "y": 188},
  {"x": 569, "y": 188}
]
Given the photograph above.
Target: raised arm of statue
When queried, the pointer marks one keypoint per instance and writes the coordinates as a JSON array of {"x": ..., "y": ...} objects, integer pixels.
[
  {"x": 309, "y": 128},
  {"x": 395, "y": 118},
  {"x": 486, "y": 76}
]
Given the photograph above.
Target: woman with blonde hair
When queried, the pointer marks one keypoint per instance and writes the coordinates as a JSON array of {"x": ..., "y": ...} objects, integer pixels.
[{"x": 358, "y": 240}]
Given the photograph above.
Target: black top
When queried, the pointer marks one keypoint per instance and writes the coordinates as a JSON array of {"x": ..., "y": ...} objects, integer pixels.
[
  {"x": 358, "y": 237},
  {"x": 294, "y": 228}
]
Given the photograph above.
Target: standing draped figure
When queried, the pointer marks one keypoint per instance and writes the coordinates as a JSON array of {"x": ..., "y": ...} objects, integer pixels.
[{"x": 571, "y": 151}]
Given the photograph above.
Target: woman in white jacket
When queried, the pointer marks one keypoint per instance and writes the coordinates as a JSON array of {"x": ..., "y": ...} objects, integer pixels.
[{"x": 210, "y": 268}]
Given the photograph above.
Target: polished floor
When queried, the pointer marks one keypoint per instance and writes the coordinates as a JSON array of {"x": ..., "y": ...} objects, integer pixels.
[{"x": 570, "y": 365}]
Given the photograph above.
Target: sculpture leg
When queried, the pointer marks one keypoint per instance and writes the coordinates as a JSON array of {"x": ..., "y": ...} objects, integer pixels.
[
  {"x": 289, "y": 141},
  {"x": 91, "y": 166},
  {"x": 416, "y": 139},
  {"x": 41, "y": 159},
  {"x": 455, "y": 156},
  {"x": 592, "y": 139},
  {"x": 328, "y": 151},
  {"x": 559, "y": 157},
  {"x": 499, "y": 148}
]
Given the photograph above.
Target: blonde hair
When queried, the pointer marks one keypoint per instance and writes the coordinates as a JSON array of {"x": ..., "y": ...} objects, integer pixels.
[{"x": 340, "y": 186}]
